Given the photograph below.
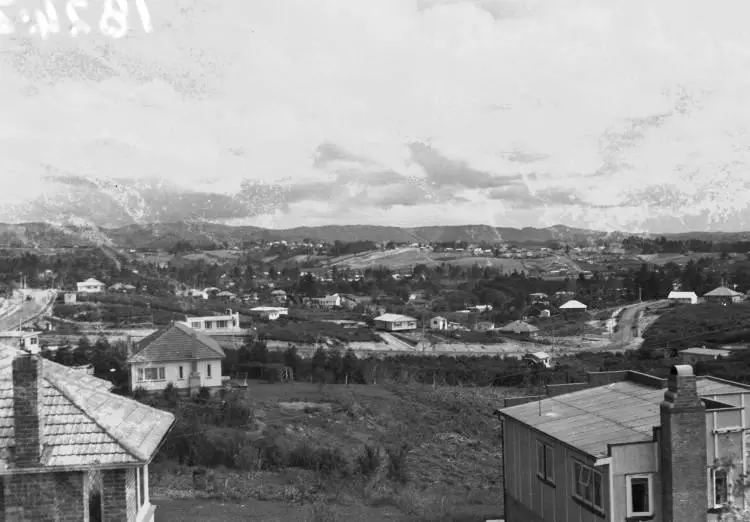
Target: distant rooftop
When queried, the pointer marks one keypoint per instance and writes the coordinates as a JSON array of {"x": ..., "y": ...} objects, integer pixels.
[{"x": 722, "y": 291}]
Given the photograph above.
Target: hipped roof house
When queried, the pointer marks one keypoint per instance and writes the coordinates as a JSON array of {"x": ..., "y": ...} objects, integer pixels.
[{"x": 176, "y": 342}]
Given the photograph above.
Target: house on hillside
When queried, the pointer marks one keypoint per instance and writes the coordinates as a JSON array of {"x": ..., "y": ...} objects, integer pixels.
[
  {"x": 229, "y": 322},
  {"x": 677, "y": 297},
  {"x": 22, "y": 339},
  {"x": 521, "y": 328},
  {"x": 177, "y": 354},
  {"x": 90, "y": 286},
  {"x": 538, "y": 297},
  {"x": 695, "y": 355},
  {"x": 270, "y": 313},
  {"x": 438, "y": 323},
  {"x": 278, "y": 296},
  {"x": 723, "y": 295},
  {"x": 395, "y": 322},
  {"x": 484, "y": 326},
  {"x": 329, "y": 301},
  {"x": 625, "y": 446},
  {"x": 65, "y": 454},
  {"x": 573, "y": 307}
]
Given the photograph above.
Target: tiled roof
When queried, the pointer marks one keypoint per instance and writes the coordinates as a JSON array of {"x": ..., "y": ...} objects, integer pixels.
[
  {"x": 84, "y": 424},
  {"x": 621, "y": 412},
  {"x": 177, "y": 342}
]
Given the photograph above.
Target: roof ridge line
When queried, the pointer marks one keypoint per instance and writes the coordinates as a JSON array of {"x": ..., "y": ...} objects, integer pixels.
[{"x": 56, "y": 384}]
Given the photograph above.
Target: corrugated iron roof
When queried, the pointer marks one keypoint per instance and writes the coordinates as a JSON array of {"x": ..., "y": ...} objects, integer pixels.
[
  {"x": 519, "y": 327},
  {"x": 572, "y": 304},
  {"x": 705, "y": 351},
  {"x": 721, "y": 291},
  {"x": 621, "y": 412},
  {"x": 84, "y": 423},
  {"x": 674, "y": 294},
  {"x": 177, "y": 342},
  {"x": 394, "y": 318}
]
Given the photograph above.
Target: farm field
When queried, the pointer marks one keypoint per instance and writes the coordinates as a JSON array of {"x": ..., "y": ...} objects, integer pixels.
[
  {"x": 452, "y": 468},
  {"x": 408, "y": 257},
  {"x": 680, "y": 259}
]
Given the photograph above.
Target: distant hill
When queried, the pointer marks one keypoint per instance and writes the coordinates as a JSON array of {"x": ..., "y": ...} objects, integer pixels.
[{"x": 166, "y": 235}]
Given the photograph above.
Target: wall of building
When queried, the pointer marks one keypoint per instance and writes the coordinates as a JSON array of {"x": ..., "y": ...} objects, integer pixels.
[
  {"x": 527, "y": 496},
  {"x": 62, "y": 499},
  {"x": 635, "y": 459},
  {"x": 172, "y": 374}
]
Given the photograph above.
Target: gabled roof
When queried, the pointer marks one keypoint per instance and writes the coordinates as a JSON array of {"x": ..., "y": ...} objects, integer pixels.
[
  {"x": 91, "y": 281},
  {"x": 518, "y": 327},
  {"x": 176, "y": 342},
  {"x": 617, "y": 413},
  {"x": 721, "y": 291},
  {"x": 674, "y": 294},
  {"x": 84, "y": 424},
  {"x": 573, "y": 304}
]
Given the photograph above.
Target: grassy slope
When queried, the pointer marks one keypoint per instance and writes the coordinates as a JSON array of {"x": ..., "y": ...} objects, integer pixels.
[
  {"x": 455, "y": 464},
  {"x": 693, "y": 325}
]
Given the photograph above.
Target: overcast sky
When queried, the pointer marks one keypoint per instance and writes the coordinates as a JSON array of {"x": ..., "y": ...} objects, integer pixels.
[{"x": 611, "y": 114}]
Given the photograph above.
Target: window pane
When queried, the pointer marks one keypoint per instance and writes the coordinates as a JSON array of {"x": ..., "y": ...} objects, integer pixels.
[
  {"x": 720, "y": 486},
  {"x": 597, "y": 479},
  {"x": 549, "y": 463},
  {"x": 639, "y": 495},
  {"x": 208, "y": 369},
  {"x": 540, "y": 458},
  {"x": 161, "y": 373}
]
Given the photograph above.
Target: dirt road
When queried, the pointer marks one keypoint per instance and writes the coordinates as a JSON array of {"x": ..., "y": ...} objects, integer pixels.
[{"x": 18, "y": 310}]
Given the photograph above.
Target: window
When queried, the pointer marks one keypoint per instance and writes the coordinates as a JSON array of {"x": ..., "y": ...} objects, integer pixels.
[
  {"x": 33, "y": 340},
  {"x": 181, "y": 375},
  {"x": 719, "y": 486},
  {"x": 209, "y": 325},
  {"x": 195, "y": 324},
  {"x": 151, "y": 374},
  {"x": 222, "y": 324},
  {"x": 208, "y": 370},
  {"x": 545, "y": 460},
  {"x": 640, "y": 495},
  {"x": 588, "y": 485},
  {"x": 141, "y": 486}
]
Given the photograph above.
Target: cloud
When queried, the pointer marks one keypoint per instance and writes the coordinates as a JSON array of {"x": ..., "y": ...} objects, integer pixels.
[
  {"x": 436, "y": 108},
  {"x": 442, "y": 171}
]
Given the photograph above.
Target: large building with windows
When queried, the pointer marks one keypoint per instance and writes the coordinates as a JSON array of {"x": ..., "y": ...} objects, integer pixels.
[
  {"x": 229, "y": 322},
  {"x": 626, "y": 446}
]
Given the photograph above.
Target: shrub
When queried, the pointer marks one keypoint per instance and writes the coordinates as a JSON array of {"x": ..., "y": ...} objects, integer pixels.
[
  {"x": 397, "y": 465},
  {"x": 171, "y": 395},
  {"x": 204, "y": 395},
  {"x": 368, "y": 461}
]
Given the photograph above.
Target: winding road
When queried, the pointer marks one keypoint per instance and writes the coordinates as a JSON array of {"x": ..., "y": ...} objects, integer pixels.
[{"x": 17, "y": 310}]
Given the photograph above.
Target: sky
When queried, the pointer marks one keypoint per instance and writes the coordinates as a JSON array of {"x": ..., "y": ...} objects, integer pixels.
[{"x": 609, "y": 114}]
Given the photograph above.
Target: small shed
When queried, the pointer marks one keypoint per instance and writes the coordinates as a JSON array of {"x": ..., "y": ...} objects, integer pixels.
[
  {"x": 438, "y": 323},
  {"x": 677, "y": 297},
  {"x": 395, "y": 322}
]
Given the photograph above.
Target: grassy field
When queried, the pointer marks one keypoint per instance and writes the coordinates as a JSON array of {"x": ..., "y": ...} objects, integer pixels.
[
  {"x": 452, "y": 470},
  {"x": 408, "y": 257},
  {"x": 680, "y": 259}
]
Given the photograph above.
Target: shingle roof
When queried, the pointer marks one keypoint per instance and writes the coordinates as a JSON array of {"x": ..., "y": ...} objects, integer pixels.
[
  {"x": 176, "y": 342},
  {"x": 621, "y": 412},
  {"x": 84, "y": 424}
]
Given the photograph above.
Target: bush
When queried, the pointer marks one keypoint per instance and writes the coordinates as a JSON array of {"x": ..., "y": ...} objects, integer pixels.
[
  {"x": 368, "y": 462},
  {"x": 397, "y": 465},
  {"x": 171, "y": 395}
]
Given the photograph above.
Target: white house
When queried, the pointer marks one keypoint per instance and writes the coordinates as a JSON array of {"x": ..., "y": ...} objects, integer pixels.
[
  {"x": 329, "y": 301},
  {"x": 179, "y": 355},
  {"x": 28, "y": 341},
  {"x": 278, "y": 296},
  {"x": 395, "y": 322},
  {"x": 682, "y": 297},
  {"x": 269, "y": 312},
  {"x": 90, "y": 286},
  {"x": 439, "y": 323},
  {"x": 229, "y": 322}
]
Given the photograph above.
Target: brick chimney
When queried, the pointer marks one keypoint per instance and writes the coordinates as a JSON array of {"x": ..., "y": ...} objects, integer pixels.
[
  {"x": 683, "y": 449},
  {"x": 28, "y": 397}
]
